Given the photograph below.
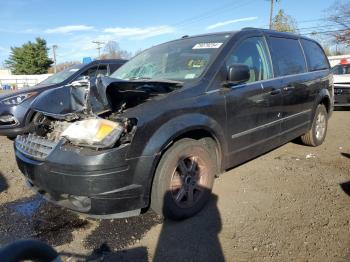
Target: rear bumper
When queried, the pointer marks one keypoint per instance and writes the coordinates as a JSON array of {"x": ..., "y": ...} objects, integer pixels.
[{"x": 94, "y": 183}]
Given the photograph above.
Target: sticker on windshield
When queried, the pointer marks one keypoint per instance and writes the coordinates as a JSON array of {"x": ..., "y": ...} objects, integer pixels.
[
  {"x": 190, "y": 76},
  {"x": 206, "y": 45},
  {"x": 73, "y": 70}
]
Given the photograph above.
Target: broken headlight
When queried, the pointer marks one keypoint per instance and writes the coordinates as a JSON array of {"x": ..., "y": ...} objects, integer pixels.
[{"x": 97, "y": 133}]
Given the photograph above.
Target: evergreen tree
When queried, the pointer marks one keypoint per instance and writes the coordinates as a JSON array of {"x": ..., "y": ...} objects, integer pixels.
[{"x": 30, "y": 58}]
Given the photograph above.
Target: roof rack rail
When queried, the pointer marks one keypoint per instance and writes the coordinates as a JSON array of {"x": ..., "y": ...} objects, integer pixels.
[{"x": 249, "y": 28}]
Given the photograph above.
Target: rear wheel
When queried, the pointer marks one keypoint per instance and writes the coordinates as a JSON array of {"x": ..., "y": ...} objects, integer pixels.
[
  {"x": 184, "y": 179},
  {"x": 318, "y": 131}
]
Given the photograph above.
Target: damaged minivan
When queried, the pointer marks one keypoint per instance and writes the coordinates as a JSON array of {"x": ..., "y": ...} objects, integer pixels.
[{"x": 157, "y": 131}]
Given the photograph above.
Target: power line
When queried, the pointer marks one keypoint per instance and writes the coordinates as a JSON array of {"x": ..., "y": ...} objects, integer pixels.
[
  {"x": 222, "y": 9},
  {"x": 206, "y": 15},
  {"x": 325, "y": 32}
]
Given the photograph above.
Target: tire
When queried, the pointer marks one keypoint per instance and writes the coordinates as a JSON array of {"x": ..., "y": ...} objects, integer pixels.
[
  {"x": 183, "y": 180},
  {"x": 317, "y": 134}
]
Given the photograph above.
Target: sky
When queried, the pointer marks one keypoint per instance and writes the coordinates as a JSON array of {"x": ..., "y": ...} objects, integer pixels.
[{"x": 135, "y": 25}]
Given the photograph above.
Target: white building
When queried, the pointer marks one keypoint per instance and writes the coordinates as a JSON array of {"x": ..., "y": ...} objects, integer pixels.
[{"x": 19, "y": 81}]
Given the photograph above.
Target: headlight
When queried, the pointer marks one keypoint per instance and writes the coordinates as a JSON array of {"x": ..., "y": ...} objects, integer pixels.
[
  {"x": 98, "y": 133},
  {"x": 18, "y": 99}
]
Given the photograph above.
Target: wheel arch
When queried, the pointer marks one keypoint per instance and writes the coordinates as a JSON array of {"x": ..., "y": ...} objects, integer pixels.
[
  {"x": 324, "y": 98},
  {"x": 195, "y": 126}
]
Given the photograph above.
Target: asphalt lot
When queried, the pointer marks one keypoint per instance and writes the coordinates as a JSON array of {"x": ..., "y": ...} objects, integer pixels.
[{"x": 291, "y": 204}]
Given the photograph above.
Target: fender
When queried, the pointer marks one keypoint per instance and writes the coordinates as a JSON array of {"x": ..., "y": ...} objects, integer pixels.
[
  {"x": 180, "y": 125},
  {"x": 166, "y": 134},
  {"x": 322, "y": 95}
]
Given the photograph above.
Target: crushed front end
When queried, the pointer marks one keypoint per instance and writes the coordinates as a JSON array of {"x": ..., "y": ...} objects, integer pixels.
[
  {"x": 76, "y": 154},
  {"x": 85, "y": 179}
]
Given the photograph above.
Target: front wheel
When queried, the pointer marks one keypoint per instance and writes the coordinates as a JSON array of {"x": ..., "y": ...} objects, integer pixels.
[
  {"x": 184, "y": 179},
  {"x": 316, "y": 135}
]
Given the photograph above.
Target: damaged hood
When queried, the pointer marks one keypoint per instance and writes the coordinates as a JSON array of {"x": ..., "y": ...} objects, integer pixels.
[{"x": 90, "y": 96}]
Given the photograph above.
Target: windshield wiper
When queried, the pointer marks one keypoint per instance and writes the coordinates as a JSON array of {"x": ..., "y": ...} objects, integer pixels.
[{"x": 139, "y": 78}]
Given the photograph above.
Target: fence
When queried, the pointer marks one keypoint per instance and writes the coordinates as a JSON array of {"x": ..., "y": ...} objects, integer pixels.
[{"x": 15, "y": 82}]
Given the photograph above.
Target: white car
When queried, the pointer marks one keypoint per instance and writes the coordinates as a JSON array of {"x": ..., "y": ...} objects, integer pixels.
[{"x": 341, "y": 77}]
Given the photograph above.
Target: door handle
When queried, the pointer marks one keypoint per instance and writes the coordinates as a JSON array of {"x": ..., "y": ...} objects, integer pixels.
[
  {"x": 288, "y": 88},
  {"x": 275, "y": 92}
]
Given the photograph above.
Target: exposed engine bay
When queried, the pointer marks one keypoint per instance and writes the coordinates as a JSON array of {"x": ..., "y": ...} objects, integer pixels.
[{"x": 90, "y": 113}]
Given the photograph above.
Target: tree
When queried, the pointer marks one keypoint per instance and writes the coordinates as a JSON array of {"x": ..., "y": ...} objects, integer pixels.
[
  {"x": 284, "y": 23},
  {"x": 62, "y": 66},
  {"x": 30, "y": 58},
  {"x": 340, "y": 14},
  {"x": 113, "y": 51},
  {"x": 272, "y": 2}
]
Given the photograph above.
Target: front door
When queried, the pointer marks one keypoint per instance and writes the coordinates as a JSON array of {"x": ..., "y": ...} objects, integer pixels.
[{"x": 253, "y": 108}]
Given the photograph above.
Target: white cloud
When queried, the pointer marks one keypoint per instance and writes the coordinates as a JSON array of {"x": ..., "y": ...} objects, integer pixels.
[
  {"x": 139, "y": 33},
  {"x": 220, "y": 24},
  {"x": 68, "y": 29}
]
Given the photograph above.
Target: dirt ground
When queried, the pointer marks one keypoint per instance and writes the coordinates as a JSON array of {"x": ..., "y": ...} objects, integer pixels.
[{"x": 291, "y": 204}]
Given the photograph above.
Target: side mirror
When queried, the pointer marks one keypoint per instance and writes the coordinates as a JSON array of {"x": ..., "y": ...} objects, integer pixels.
[
  {"x": 238, "y": 74},
  {"x": 81, "y": 80}
]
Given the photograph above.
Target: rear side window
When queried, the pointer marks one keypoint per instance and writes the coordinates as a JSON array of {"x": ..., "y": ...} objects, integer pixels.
[
  {"x": 315, "y": 56},
  {"x": 287, "y": 56}
]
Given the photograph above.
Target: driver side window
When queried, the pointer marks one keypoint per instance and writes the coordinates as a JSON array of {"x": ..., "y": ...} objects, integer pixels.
[
  {"x": 253, "y": 53},
  {"x": 95, "y": 71}
]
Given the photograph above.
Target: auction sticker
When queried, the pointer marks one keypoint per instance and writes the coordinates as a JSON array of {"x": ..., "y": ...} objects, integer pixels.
[{"x": 206, "y": 45}]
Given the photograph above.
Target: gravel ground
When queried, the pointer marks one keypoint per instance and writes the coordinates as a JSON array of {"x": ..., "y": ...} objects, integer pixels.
[{"x": 291, "y": 204}]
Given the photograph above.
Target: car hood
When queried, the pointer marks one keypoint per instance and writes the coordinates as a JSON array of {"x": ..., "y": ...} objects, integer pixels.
[
  {"x": 341, "y": 79},
  {"x": 89, "y": 97}
]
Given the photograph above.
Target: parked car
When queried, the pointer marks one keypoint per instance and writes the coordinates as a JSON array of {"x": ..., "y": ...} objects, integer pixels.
[
  {"x": 15, "y": 116},
  {"x": 159, "y": 129},
  {"x": 342, "y": 83}
]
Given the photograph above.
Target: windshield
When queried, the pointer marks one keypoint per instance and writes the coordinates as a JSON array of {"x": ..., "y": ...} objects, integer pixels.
[
  {"x": 61, "y": 76},
  {"x": 341, "y": 69},
  {"x": 183, "y": 59}
]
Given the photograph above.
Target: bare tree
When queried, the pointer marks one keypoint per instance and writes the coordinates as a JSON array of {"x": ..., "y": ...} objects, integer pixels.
[
  {"x": 113, "y": 51},
  {"x": 272, "y": 3},
  {"x": 284, "y": 23},
  {"x": 62, "y": 66},
  {"x": 340, "y": 13}
]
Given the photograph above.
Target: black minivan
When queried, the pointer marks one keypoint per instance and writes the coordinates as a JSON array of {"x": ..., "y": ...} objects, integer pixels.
[{"x": 158, "y": 130}]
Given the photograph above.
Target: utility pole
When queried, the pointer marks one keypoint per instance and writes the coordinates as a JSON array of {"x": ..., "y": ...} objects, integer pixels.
[
  {"x": 54, "y": 47},
  {"x": 99, "y": 46},
  {"x": 271, "y": 13}
]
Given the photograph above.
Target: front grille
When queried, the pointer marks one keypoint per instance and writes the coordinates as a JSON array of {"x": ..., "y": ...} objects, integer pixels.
[{"x": 34, "y": 146}]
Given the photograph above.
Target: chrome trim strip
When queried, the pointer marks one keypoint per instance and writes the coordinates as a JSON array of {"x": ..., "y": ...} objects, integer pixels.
[
  {"x": 268, "y": 124},
  {"x": 271, "y": 137}
]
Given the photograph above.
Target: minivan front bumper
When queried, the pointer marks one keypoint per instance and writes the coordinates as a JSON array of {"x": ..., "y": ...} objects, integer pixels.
[{"x": 96, "y": 183}]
